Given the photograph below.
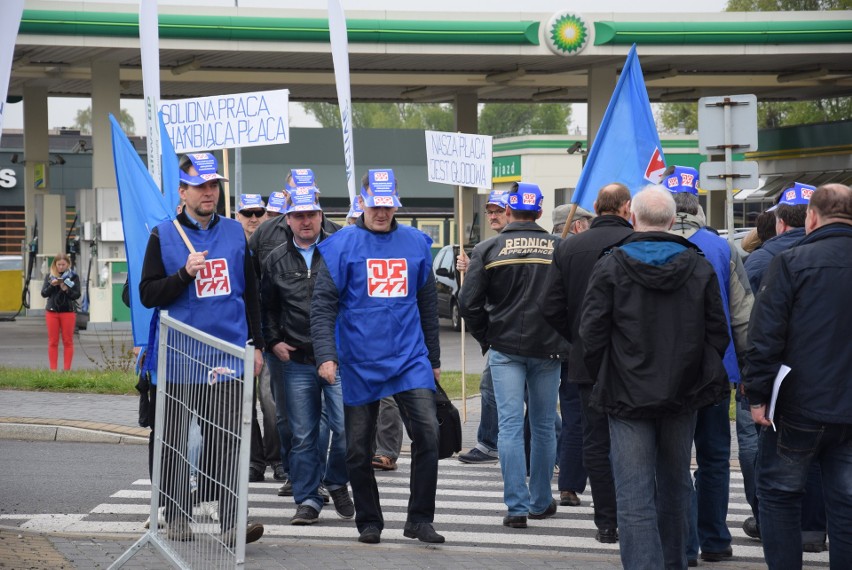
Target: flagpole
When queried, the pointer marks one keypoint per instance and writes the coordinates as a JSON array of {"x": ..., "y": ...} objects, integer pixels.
[
  {"x": 227, "y": 184},
  {"x": 567, "y": 225}
]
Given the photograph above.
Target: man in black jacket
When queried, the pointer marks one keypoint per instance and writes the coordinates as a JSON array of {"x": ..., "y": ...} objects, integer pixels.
[
  {"x": 561, "y": 304},
  {"x": 506, "y": 274},
  {"x": 802, "y": 318},
  {"x": 287, "y": 284},
  {"x": 654, "y": 332}
]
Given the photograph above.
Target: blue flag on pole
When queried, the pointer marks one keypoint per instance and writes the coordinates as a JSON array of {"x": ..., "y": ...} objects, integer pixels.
[
  {"x": 627, "y": 148},
  {"x": 143, "y": 206}
]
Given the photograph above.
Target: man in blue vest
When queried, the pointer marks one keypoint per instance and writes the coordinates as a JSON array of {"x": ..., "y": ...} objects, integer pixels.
[
  {"x": 709, "y": 509},
  {"x": 212, "y": 289},
  {"x": 374, "y": 314}
]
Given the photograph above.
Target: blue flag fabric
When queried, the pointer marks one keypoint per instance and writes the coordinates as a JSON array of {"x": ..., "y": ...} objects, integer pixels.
[
  {"x": 143, "y": 206},
  {"x": 627, "y": 147},
  {"x": 169, "y": 165}
]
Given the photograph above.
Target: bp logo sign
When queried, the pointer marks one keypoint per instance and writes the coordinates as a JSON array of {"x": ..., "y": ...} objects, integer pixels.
[{"x": 566, "y": 33}]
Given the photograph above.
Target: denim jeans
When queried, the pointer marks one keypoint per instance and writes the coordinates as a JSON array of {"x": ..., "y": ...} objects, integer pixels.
[
  {"x": 709, "y": 505},
  {"x": 747, "y": 432},
  {"x": 486, "y": 435},
  {"x": 596, "y": 460},
  {"x": 417, "y": 408},
  {"x": 305, "y": 392},
  {"x": 389, "y": 429},
  {"x": 784, "y": 460},
  {"x": 650, "y": 463},
  {"x": 572, "y": 474},
  {"x": 512, "y": 375},
  {"x": 276, "y": 381}
]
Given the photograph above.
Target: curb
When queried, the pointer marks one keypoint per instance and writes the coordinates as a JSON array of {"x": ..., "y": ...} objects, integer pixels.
[{"x": 38, "y": 429}]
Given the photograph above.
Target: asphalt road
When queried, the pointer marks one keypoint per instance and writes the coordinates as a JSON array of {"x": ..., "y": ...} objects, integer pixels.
[{"x": 53, "y": 477}]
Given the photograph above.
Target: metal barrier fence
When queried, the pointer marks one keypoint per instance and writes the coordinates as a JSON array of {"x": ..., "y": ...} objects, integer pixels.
[{"x": 204, "y": 391}]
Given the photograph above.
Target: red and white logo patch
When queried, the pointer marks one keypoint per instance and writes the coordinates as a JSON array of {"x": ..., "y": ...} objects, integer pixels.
[
  {"x": 387, "y": 277},
  {"x": 381, "y": 176},
  {"x": 214, "y": 280},
  {"x": 383, "y": 201},
  {"x": 790, "y": 195},
  {"x": 529, "y": 199},
  {"x": 656, "y": 167},
  {"x": 807, "y": 193}
]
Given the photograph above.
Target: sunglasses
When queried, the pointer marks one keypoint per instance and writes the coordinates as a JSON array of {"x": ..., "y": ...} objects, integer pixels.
[{"x": 255, "y": 213}]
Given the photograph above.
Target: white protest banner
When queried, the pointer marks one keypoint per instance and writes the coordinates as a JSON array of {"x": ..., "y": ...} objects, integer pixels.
[
  {"x": 9, "y": 24},
  {"x": 227, "y": 121},
  {"x": 149, "y": 45},
  {"x": 340, "y": 60},
  {"x": 459, "y": 159}
]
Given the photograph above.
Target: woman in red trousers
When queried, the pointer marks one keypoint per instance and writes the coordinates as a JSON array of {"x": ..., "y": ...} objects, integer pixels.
[{"x": 61, "y": 289}]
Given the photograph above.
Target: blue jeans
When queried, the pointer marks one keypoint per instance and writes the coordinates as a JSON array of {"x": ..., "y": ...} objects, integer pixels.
[
  {"x": 417, "y": 408},
  {"x": 276, "y": 381},
  {"x": 512, "y": 375},
  {"x": 305, "y": 391},
  {"x": 784, "y": 460},
  {"x": 486, "y": 435},
  {"x": 709, "y": 505},
  {"x": 572, "y": 474},
  {"x": 650, "y": 464}
]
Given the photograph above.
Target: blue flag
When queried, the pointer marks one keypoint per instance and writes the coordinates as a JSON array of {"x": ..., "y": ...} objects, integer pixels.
[
  {"x": 627, "y": 147},
  {"x": 143, "y": 207}
]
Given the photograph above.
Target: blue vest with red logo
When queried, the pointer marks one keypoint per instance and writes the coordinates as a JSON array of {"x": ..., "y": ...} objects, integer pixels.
[
  {"x": 380, "y": 344},
  {"x": 718, "y": 253},
  {"x": 214, "y": 302}
]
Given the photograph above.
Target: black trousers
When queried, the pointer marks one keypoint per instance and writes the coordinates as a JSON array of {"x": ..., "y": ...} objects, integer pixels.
[{"x": 596, "y": 460}]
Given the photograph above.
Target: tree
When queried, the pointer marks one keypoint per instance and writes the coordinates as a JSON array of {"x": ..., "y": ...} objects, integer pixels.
[
  {"x": 494, "y": 118},
  {"x": 771, "y": 114},
  {"x": 83, "y": 121}
]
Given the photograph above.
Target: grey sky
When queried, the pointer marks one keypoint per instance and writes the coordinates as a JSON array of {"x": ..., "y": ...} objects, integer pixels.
[{"x": 62, "y": 111}]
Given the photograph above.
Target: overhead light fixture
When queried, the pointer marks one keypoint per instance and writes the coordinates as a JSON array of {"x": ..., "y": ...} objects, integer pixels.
[
  {"x": 504, "y": 76},
  {"x": 677, "y": 95},
  {"x": 58, "y": 160},
  {"x": 190, "y": 65},
  {"x": 408, "y": 93},
  {"x": 661, "y": 74},
  {"x": 802, "y": 75},
  {"x": 549, "y": 93}
]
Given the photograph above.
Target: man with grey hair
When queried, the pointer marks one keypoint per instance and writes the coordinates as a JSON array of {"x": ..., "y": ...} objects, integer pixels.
[
  {"x": 709, "y": 509},
  {"x": 654, "y": 332}
]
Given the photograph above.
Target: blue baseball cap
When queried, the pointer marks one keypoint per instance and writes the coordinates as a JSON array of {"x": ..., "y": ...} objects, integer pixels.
[
  {"x": 277, "y": 202},
  {"x": 250, "y": 202},
  {"x": 355, "y": 210},
  {"x": 304, "y": 199},
  {"x": 381, "y": 190},
  {"x": 497, "y": 198},
  {"x": 205, "y": 165},
  {"x": 303, "y": 177},
  {"x": 797, "y": 194},
  {"x": 525, "y": 196},
  {"x": 681, "y": 179}
]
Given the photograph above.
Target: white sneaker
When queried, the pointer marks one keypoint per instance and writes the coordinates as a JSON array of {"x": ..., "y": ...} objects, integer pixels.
[
  {"x": 161, "y": 518},
  {"x": 209, "y": 509}
]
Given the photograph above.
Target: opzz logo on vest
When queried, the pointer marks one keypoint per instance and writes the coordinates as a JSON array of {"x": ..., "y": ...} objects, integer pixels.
[
  {"x": 214, "y": 280},
  {"x": 387, "y": 277}
]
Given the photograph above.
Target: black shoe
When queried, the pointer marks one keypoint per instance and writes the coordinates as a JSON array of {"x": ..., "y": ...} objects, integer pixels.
[
  {"x": 717, "y": 556},
  {"x": 253, "y": 533},
  {"x": 751, "y": 528},
  {"x": 370, "y": 535},
  {"x": 286, "y": 490},
  {"x": 278, "y": 473},
  {"x": 305, "y": 514},
  {"x": 422, "y": 532},
  {"x": 692, "y": 562},
  {"x": 343, "y": 503},
  {"x": 607, "y": 535},
  {"x": 548, "y": 512},
  {"x": 477, "y": 456},
  {"x": 255, "y": 475},
  {"x": 814, "y": 547},
  {"x": 569, "y": 499},
  {"x": 515, "y": 521}
]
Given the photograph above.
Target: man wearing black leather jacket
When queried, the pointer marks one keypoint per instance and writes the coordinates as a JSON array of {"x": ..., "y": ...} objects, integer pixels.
[{"x": 497, "y": 301}]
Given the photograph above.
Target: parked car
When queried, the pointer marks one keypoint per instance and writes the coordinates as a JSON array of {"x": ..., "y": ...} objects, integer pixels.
[{"x": 447, "y": 283}]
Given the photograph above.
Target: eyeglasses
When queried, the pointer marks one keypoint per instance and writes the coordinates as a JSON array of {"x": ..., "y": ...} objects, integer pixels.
[
  {"x": 255, "y": 213},
  {"x": 494, "y": 212}
]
